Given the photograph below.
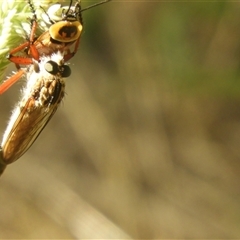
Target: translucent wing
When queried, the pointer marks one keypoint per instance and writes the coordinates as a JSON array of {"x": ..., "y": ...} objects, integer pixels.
[{"x": 25, "y": 129}]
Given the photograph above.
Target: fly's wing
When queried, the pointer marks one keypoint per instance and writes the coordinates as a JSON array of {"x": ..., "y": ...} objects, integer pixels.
[
  {"x": 2, "y": 165},
  {"x": 25, "y": 130}
]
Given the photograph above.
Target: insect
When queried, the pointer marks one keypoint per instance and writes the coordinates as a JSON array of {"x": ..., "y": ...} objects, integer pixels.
[
  {"x": 65, "y": 31},
  {"x": 48, "y": 42},
  {"x": 40, "y": 99}
]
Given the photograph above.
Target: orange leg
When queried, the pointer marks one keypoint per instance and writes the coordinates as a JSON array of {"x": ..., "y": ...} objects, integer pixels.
[
  {"x": 32, "y": 49},
  {"x": 10, "y": 81},
  {"x": 20, "y": 60},
  {"x": 19, "y": 48}
]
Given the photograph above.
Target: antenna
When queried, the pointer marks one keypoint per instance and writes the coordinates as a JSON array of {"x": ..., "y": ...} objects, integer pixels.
[
  {"x": 94, "y": 5},
  {"x": 70, "y": 5}
]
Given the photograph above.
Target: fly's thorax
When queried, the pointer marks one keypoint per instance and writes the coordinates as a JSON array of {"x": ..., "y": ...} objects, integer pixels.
[
  {"x": 52, "y": 92},
  {"x": 46, "y": 80}
]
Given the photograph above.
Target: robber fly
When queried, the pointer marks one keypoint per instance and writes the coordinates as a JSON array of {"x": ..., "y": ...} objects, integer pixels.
[{"x": 40, "y": 99}]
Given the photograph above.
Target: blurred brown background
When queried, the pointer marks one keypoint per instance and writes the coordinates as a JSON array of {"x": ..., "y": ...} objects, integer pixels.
[{"x": 147, "y": 141}]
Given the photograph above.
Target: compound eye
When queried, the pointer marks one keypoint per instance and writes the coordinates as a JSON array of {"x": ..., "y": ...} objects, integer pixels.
[
  {"x": 51, "y": 67},
  {"x": 66, "y": 71}
]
